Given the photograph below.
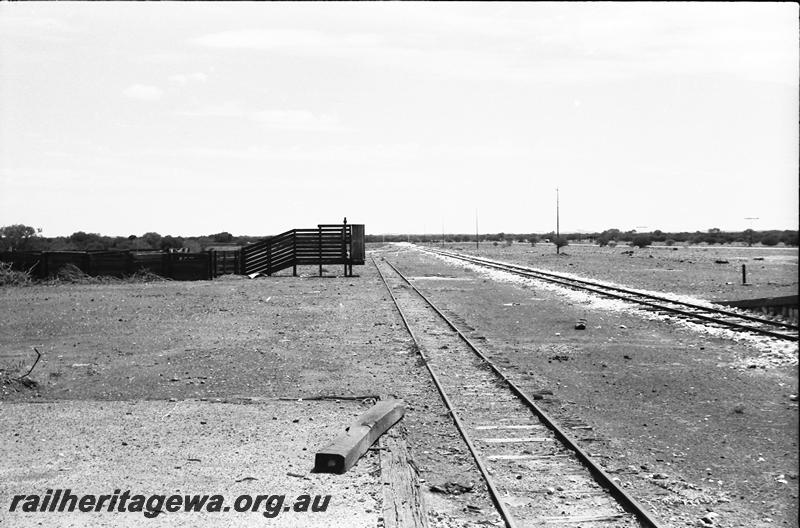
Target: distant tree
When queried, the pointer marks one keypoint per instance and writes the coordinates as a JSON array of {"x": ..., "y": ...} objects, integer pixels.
[
  {"x": 790, "y": 238},
  {"x": 771, "y": 239},
  {"x": 17, "y": 237},
  {"x": 747, "y": 236},
  {"x": 561, "y": 241},
  {"x": 533, "y": 239},
  {"x": 86, "y": 241},
  {"x": 607, "y": 236},
  {"x": 641, "y": 241},
  {"x": 151, "y": 240},
  {"x": 222, "y": 238},
  {"x": 168, "y": 242}
]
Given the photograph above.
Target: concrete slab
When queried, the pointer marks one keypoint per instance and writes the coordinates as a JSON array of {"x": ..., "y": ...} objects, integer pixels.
[{"x": 182, "y": 448}]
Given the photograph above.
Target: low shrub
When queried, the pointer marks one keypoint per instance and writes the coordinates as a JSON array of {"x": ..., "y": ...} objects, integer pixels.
[
  {"x": 11, "y": 277},
  {"x": 641, "y": 241}
]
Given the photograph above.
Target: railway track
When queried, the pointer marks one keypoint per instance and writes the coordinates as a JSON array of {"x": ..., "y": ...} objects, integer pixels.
[
  {"x": 535, "y": 472},
  {"x": 708, "y": 315}
]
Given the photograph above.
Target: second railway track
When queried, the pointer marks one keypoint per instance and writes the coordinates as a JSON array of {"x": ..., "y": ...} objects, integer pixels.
[
  {"x": 535, "y": 472},
  {"x": 708, "y": 315}
]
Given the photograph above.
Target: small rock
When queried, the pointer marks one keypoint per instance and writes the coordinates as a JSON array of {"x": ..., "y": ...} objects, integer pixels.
[
  {"x": 659, "y": 476},
  {"x": 551, "y": 491},
  {"x": 623, "y": 327}
]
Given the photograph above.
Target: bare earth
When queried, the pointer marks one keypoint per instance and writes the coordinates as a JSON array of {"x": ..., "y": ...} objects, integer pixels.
[{"x": 676, "y": 413}]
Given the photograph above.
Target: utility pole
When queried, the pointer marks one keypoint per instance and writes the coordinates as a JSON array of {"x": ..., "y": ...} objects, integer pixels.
[
  {"x": 558, "y": 233},
  {"x": 477, "y": 238}
]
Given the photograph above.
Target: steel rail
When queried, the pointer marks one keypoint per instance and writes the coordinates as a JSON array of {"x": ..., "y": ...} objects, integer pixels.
[
  {"x": 614, "y": 288},
  {"x": 601, "y": 476},
  {"x": 495, "y": 495},
  {"x": 601, "y": 289}
]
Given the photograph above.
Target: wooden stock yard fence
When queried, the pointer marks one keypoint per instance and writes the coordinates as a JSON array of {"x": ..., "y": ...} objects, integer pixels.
[
  {"x": 327, "y": 244},
  {"x": 178, "y": 266}
]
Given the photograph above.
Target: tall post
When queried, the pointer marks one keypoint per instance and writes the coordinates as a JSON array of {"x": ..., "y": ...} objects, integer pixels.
[
  {"x": 558, "y": 233},
  {"x": 744, "y": 274},
  {"x": 477, "y": 237}
]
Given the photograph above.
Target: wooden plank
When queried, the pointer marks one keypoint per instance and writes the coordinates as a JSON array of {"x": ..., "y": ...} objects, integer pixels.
[
  {"x": 341, "y": 454},
  {"x": 403, "y": 503}
]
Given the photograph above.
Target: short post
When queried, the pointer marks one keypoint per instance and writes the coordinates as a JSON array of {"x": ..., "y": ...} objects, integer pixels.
[{"x": 744, "y": 274}]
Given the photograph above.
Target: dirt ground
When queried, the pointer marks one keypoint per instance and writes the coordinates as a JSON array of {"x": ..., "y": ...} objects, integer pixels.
[
  {"x": 230, "y": 341},
  {"x": 663, "y": 400}
]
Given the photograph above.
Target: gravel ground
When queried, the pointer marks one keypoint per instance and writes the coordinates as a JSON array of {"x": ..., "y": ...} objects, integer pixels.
[
  {"x": 231, "y": 339},
  {"x": 186, "y": 447}
]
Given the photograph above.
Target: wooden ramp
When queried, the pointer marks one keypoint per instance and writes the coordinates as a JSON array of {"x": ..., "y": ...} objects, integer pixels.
[{"x": 327, "y": 244}]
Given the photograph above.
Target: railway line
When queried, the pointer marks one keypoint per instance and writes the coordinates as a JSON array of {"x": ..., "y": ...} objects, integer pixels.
[
  {"x": 535, "y": 472},
  {"x": 707, "y": 315}
]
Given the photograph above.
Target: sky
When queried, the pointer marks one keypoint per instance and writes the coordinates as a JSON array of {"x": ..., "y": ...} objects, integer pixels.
[{"x": 254, "y": 118}]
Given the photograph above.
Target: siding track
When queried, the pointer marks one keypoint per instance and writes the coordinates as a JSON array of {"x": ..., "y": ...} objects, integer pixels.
[
  {"x": 716, "y": 316},
  {"x": 536, "y": 474}
]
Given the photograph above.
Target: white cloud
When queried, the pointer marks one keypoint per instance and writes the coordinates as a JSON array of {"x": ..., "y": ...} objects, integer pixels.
[
  {"x": 296, "y": 120},
  {"x": 304, "y": 120},
  {"x": 269, "y": 39},
  {"x": 182, "y": 79},
  {"x": 335, "y": 153},
  {"x": 558, "y": 43},
  {"x": 143, "y": 92},
  {"x": 226, "y": 109}
]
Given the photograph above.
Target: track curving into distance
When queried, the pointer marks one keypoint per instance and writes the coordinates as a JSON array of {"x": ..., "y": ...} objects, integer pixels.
[
  {"x": 535, "y": 472},
  {"x": 718, "y": 316}
]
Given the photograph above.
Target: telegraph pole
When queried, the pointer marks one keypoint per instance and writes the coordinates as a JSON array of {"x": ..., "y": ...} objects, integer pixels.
[
  {"x": 558, "y": 235},
  {"x": 477, "y": 238}
]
